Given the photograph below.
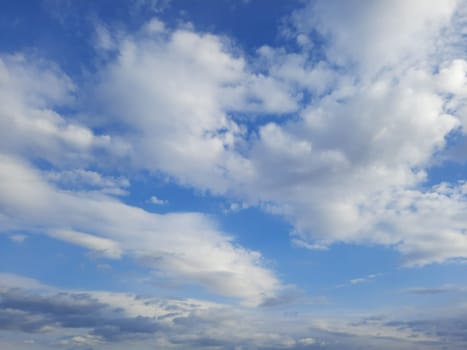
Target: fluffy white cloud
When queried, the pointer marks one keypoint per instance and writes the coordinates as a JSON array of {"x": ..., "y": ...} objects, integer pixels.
[
  {"x": 376, "y": 35},
  {"x": 363, "y": 140},
  {"x": 30, "y": 91},
  {"x": 339, "y": 170},
  {"x": 351, "y": 167},
  {"x": 172, "y": 90},
  {"x": 325, "y": 167},
  {"x": 452, "y": 80}
]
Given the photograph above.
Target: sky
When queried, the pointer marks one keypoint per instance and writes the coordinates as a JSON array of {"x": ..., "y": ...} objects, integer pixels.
[{"x": 227, "y": 174}]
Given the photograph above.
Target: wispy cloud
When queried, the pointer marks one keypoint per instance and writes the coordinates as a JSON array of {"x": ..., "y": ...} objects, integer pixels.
[
  {"x": 18, "y": 238},
  {"x": 360, "y": 280},
  {"x": 184, "y": 246},
  {"x": 437, "y": 290}
]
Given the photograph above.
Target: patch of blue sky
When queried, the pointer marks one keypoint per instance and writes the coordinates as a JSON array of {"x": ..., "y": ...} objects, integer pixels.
[
  {"x": 449, "y": 171},
  {"x": 450, "y": 163},
  {"x": 173, "y": 196},
  {"x": 251, "y": 24}
]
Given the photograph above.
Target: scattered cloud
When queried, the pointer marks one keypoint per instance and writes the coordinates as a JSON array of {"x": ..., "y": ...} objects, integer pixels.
[
  {"x": 157, "y": 201},
  {"x": 336, "y": 131},
  {"x": 364, "y": 279},
  {"x": 108, "y": 319},
  {"x": 360, "y": 280},
  {"x": 311, "y": 246}
]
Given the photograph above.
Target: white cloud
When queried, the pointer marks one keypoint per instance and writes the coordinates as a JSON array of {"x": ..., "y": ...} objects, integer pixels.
[
  {"x": 30, "y": 90},
  {"x": 155, "y": 26},
  {"x": 104, "y": 246},
  {"x": 296, "y": 69},
  {"x": 341, "y": 165},
  {"x": 10, "y": 280},
  {"x": 337, "y": 172},
  {"x": 104, "y": 39},
  {"x": 157, "y": 201},
  {"x": 303, "y": 244},
  {"x": 371, "y": 139},
  {"x": 80, "y": 179},
  {"x": 375, "y": 35},
  {"x": 453, "y": 77},
  {"x": 452, "y": 80},
  {"x": 178, "y": 245},
  {"x": 365, "y": 279},
  {"x": 172, "y": 90}
]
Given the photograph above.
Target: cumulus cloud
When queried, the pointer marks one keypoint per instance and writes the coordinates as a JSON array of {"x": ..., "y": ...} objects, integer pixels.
[
  {"x": 368, "y": 34},
  {"x": 349, "y": 165},
  {"x": 172, "y": 91},
  {"x": 340, "y": 171},
  {"x": 31, "y": 90}
]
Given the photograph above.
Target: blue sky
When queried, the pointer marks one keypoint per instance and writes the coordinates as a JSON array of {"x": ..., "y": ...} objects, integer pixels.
[{"x": 233, "y": 174}]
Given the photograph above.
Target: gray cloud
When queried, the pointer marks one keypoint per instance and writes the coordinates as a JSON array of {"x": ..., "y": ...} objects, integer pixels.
[
  {"x": 437, "y": 290},
  {"x": 451, "y": 331},
  {"x": 29, "y": 312},
  {"x": 99, "y": 320}
]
